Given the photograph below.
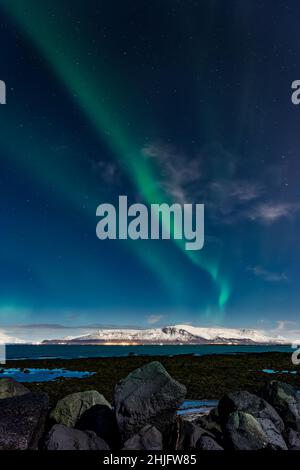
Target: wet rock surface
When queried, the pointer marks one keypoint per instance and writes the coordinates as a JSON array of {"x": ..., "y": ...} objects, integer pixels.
[
  {"x": 243, "y": 432},
  {"x": 148, "y": 438},
  {"x": 22, "y": 421},
  {"x": 285, "y": 400},
  {"x": 65, "y": 438},
  {"x": 208, "y": 443},
  {"x": 70, "y": 409},
  {"x": 10, "y": 388},
  {"x": 148, "y": 395},
  {"x": 102, "y": 420},
  {"x": 144, "y": 417},
  {"x": 266, "y": 417}
]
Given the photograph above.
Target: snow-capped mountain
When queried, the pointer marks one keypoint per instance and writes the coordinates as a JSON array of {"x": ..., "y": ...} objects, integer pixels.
[
  {"x": 178, "y": 334},
  {"x": 210, "y": 334}
]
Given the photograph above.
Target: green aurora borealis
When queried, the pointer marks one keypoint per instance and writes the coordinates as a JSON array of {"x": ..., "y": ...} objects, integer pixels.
[
  {"x": 91, "y": 86},
  {"x": 89, "y": 90}
]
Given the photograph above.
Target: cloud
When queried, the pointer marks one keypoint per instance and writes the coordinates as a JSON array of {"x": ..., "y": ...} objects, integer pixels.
[
  {"x": 37, "y": 332},
  {"x": 229, "y": 199},
  {"x": 58, "y": 326},
  {"x": 188, "y": 179},
  {"x": 216, "y": 178},
  {"x": 5, "y": 338},
  {"x": 236, "y": 191},
  {"x": 179, "y": 173},
  {"x": 287, "y": 329},
  {"x": 152, "y": 319},
  {"x": 269, "y": 276},
  {"x": 108, "y": 171},
  {"x": 282, "y": 324},
  {"x": 41, "y": 326},
  {"x": 271, "y": 212}
]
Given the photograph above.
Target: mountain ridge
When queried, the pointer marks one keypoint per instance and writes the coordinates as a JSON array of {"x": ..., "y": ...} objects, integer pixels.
[{"x": 176, "y": 334}]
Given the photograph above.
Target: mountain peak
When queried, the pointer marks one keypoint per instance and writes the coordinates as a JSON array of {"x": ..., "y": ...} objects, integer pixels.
[{"x": 174, "y": 334}]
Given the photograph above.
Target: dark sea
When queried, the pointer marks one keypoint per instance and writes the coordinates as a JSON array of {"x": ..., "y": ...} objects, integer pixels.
[{"x": 28, "y": 351}]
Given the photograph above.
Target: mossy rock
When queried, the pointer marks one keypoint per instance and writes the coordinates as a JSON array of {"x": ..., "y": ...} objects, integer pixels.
[
  {"x": 70, "y": 408},
  {"x": 10, "y": 388}
]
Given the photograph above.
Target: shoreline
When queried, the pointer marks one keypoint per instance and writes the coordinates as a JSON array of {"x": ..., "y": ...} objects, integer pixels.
[
  {"x": 102, "y": 343},
  {"x": 206, "y": 377},
  {"x": 69, "y": 351}
]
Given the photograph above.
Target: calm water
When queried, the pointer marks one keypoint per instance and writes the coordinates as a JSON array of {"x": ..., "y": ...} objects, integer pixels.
[
  {"x": 42, "y": 375},
  {"x": 27, "y": 351},
  {"x": 197, "y": 406},
  {"x": 272, "y": 371}
]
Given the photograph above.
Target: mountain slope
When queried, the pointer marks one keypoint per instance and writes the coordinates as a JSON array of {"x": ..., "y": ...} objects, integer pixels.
[{"x": 178, "y": 334}]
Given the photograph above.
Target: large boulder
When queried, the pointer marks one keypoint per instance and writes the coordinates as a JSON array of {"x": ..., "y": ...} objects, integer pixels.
[
  {"x": 249, "y": 403},
  {"x": 284, "y": 399},
  {"x": 267, "y": 417},
  {"x": 22, "y": 420},
  {"x": 293, "y": 439},
  {"x": 243, "y": 432},
  {"x": 64, "y": 438},
  {"x": 102, "y": 420},
  {"x": 10, "y": 388},
  {"x": 207, "y": 443},
  {"x": 148, "y": 438},
  {"x": 69, "y": 409},
  {"x": 189, "y": 434},
  {"x": 148, "y": 395},
  {"x": 211, "y": 423}
]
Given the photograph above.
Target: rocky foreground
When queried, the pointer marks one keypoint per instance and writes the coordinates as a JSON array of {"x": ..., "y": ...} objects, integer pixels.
[{"x": 143, "y": 417}]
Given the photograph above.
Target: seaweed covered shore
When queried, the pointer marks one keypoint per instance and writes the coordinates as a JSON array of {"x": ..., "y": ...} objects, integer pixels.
[
  {"x": 142, "y": 415},
  {"x": 205, "y": 377}
]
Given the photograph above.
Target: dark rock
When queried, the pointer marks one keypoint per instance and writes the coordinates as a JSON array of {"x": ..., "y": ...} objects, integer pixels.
[
  {"x": 284, "y": 399},
  {"x": 249, "y": 403},
  {"x": 148, "y": 438},
  {"x": 293, "y": 439},
  {"x": 22, "y": 420},
  {"x": 189, "y": 434},
  {"x": 268, "y": 418},
  {"x": 208, "y": 443},
  {"x": 148, "y": 395},
  {"x": 101, "y": 419},
  {"x": 211, "y": 423},
  {"x": 214, "y": 415},
  {"x": 243, "y": 432},
  {"x": 10, "y": 388},
  {"x": 70, "y": 408},
  {"x": 65, "y": 438}
]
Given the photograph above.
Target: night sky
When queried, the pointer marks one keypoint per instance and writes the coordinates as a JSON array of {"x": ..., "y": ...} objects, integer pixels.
[{"x": 161, "y": 100}]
